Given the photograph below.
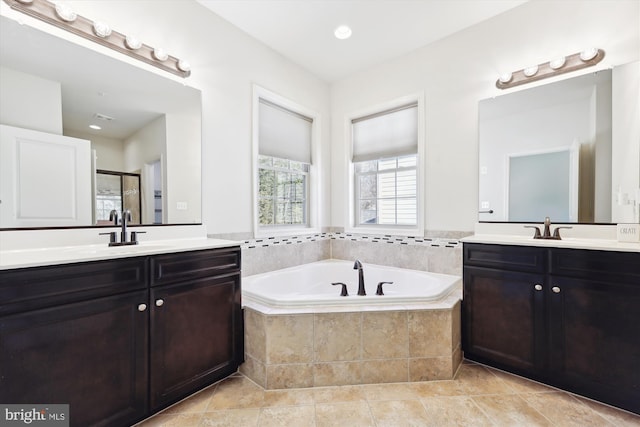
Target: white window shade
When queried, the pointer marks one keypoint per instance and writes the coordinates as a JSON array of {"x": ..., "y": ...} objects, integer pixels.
[
  {"x": 283, "y": 133},
  {"x": 387, "y": 134}
]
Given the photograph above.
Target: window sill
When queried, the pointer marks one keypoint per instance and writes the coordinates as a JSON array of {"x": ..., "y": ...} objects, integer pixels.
[
  {"x": 391, "y": 231},
  {"x": 285, "y": 231}
]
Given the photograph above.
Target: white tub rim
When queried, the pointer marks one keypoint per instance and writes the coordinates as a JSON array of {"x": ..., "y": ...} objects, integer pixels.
[{"x": 444, "y": 301}]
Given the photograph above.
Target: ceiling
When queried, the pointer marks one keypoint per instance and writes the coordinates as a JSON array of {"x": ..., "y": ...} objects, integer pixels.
[{"x": 302, "y": 30}]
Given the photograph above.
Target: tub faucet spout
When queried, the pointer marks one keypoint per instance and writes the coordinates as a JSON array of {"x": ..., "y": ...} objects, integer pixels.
[{"x": 358, "y": 266}]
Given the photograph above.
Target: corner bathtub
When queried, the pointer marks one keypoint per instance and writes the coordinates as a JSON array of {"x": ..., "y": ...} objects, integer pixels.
[
  {"x": 310, "y": 285},
  {"x": 299, "y": 331}
]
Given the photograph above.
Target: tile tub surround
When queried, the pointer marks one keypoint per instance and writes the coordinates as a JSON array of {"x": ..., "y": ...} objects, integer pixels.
[
  {"x": 348, "y": 348},
  {"x": 441, "y": 253}
]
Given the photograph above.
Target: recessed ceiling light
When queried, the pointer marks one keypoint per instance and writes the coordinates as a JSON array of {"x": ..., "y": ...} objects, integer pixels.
[
  {"x": 343, "y": 32},
  {"x": 95, "y": 127}
]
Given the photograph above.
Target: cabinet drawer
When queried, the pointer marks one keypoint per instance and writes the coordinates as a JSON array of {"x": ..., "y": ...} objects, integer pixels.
[
  {"x": 171, "y": 268},
  {"x": 31, "y": 288},
  {"x": 618, "y": 267},
  {"x": 519, "y": 258}
]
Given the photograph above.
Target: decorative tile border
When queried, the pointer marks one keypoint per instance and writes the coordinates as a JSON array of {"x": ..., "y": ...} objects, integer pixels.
[{"x": 355, "y": 237}]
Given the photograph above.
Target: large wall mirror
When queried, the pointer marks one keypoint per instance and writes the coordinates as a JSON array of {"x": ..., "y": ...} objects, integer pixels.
[
  {"x": 567, "y": 150},
  {"x": 51, "y": 92}
]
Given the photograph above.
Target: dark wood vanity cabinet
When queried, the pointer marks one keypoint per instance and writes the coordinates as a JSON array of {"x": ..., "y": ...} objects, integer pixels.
[
  {"x": 566, "y": 317},
  {"x": 196, "y": 322},
  {"x": 96, "y": 336}
]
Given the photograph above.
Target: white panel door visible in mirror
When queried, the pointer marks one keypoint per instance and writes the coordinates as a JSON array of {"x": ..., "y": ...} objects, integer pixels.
[{"x": 46, "y": 179}]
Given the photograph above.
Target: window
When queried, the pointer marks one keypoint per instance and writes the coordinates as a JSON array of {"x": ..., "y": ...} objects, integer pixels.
[
  {"x": 282, "y": 193},
  {"x": 386, "y": 191},
  {"x": 386, "y": 168},
  {"x": 284, "y": 168}
]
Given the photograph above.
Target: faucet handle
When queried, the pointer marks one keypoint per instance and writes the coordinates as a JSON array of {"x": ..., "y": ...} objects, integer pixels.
[
  {"x": 344, "y": 292},
  {"x": 556, "y": 233},
  {"x": 536, "y": 234},
  {"x": 112, "y": 237},
  {"x": 134, "y": 236},
  {"x": 379, "y": 289}
]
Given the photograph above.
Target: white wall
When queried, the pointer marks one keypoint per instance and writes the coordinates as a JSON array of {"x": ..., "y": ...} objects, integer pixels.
[
  {"x": 458, "y": 71},
  {"x": 109, "y": 151},
  {"x": 30, "y": 102}
]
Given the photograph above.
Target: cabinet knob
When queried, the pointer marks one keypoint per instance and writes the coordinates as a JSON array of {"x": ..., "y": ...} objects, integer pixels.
[
  {"x": 159, "y": 302},
  {"x": 142, "y": 307},
  {"x": 538, "y": 287},
  {"x": 556, "y": 290}
]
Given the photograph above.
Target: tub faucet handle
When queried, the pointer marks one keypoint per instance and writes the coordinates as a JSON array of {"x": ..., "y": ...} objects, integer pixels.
[
  {"x": 379, "y": 289},
  {"x": 344, "y": 292}
]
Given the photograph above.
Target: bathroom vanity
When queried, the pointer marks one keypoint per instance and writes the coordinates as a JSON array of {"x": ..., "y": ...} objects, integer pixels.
[
  {"x": 119, "y": 339},
  {"x": 564, "y": 316}
]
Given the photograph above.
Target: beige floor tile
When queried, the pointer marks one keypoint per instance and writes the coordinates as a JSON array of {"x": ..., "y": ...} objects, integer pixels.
[
  {"x": 172, "y": 420},
  {"x": 564, "y": 410},
  {"x": 438, "y": 388},
  {"x": 510, "y": 410},
  {"x": 288, "y": 397},
  {"x": 520, "y": 384},
  {"x": 289, "y": 416},
  {"x": 231, "y": 418},
  {"x": 196, "y": 403},
  {"x": 399, "y": 413},
  {"x": 476, "y": 379},
  {"x": 236, "y": 392},
  {"x": 351, "y": 414},
  {"x": 615, "y": 416},
  {"x": 389, "y": 392},
  {"x": 338, "y": 394},
  {"x": 454, "y": 411}
]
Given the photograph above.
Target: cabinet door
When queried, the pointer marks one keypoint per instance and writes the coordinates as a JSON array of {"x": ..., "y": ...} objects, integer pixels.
[
  {"x": 91, "y": 355},
  {"x": 195, "y": 337},
  {"x": 503, "y": 318},
  {"x": 595, "y": 339}
]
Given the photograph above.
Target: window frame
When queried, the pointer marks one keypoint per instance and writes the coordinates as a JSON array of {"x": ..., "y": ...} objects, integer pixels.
[
  {"x": 351, "y": 209},
  {"x": 313, "y": 178}
]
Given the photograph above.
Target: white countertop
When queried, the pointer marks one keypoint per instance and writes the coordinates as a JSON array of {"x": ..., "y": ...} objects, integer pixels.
[
  {"x": 20, "y": 258},
  {"x": 569, "y": 242}
]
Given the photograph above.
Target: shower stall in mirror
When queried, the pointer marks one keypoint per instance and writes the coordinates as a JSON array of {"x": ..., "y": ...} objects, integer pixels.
[{"x": 117, "y": 191}]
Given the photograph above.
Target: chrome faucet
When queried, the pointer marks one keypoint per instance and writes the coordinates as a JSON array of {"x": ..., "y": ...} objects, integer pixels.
[{"x": 358, "y": 266}]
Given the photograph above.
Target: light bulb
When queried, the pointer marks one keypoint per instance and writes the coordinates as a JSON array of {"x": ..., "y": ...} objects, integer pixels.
[
  {"x": 505, "y": 78},
  {"x": 132, "y": 43},
  {"x": 557, "y": 63},
  {"x": 183, "y": 65},
  {"x": 101, "y": 29},
  {"x": 65, "y": 13},
  {"x": 588, "y": 54},
  {"x": 343, "y": 32},
  {"x": 530, "y": 71},
  {"x": 160, "y": 54}
]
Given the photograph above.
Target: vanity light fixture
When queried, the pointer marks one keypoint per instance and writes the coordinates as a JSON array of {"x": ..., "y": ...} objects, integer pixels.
[
  {"x": 560, "y": 65},
  {"x": 63, "y": 16}
]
